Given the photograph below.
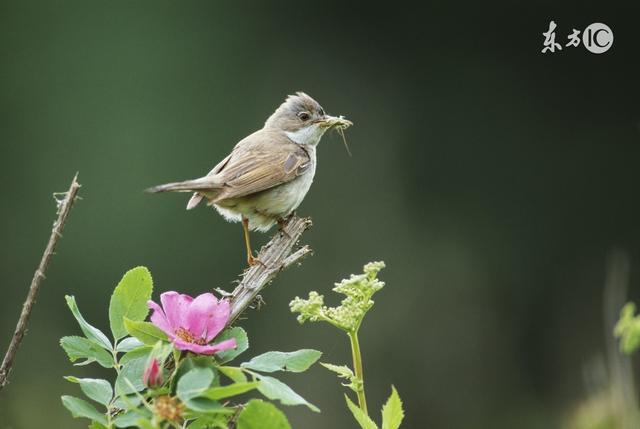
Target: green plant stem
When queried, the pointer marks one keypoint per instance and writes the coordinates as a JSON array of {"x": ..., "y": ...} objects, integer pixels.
[
  {"x": 357, "y": 368},
  {"x": 116, "y": 366}
]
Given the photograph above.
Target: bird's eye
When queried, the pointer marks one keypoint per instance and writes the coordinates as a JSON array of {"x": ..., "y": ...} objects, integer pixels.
[{"x": 304, "y": 116}]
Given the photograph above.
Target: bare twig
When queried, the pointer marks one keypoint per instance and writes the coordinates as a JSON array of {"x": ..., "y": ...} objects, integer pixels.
[
  {"x": 275, "y": 256},
  {"x": 64, "y": 207}
]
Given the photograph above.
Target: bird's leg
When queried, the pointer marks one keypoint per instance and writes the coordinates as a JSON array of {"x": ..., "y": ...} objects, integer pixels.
[{"x": 250, "y": 259}]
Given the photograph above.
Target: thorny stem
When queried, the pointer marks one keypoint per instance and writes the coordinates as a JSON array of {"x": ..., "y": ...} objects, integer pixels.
[
  {"x": 64, "y": 208},
  {"x": 357, "y": 368}
]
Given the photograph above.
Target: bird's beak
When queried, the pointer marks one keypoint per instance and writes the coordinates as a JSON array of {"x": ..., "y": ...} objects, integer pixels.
[{"x": 328, "y": 121}]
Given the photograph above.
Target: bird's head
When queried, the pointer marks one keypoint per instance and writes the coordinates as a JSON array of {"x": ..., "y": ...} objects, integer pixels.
[{"x": 303, "y": 119}]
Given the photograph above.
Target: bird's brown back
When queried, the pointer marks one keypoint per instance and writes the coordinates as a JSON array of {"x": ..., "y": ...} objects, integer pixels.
[{"x": 262, "y": 160}]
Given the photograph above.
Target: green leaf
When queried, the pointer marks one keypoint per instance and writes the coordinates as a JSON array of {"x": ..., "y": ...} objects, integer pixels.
[
  {"x": 128, "y": 419},
  {"x": 141, "y": 352},
  {"x": 274, "y": 389},
  {"x": 127, "y": 402},
  {"x": 342, "y": 370},
  {"x": 91, "y": 332},
  {"x": 146, "y": 332},
  {"x": 192, "y": 362},
  {"x": 628, "y": 329},
  {"x": 242, "y": 343},
  {"x": 194, "y": 383},
  {"x": 363, "y": 420},
  {"x": 96, "y": 425},
  {"x": 204, "y": 405},
  {"x": 216, "y": 421},
  {"x": 81, "y": 408},
  {"x": 83, "y": 348},
  {"x": 128, "y": 344},
  {"x": 234, "y": 373},
  {"x": 145, "y": 424},
  {"x": 297, "y": 361},
  {"x": 259, "y": 414},
  {"x": 129, "y": 299},
  {"x": 221, "y": 392},
  {"x": 392, "y": 413},
  {"x": 95, "y": 388},
  {"x": 132, "y": 371}
]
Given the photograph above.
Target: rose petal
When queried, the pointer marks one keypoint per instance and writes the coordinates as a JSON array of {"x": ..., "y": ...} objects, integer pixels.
[
  {"x": 152, "y": 376},
  {"x": 175, "y": 306},
  {"x": 204, "y": 349},
  {"x": 219, "y": 321},
  {"x": 225, "y": 345},
  {"x": 158, "y": 318},
  {"x": 207, "y": 316}
]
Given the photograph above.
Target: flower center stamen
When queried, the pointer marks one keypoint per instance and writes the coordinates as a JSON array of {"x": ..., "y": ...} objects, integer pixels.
[{"x": 185, "y": 335}]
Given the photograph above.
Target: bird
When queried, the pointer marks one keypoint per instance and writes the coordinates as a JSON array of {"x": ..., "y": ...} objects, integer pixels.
[{"x": 267, "y": 175}]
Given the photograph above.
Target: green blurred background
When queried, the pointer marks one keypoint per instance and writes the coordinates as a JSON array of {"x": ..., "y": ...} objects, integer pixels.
[{"x": 492, "y": 179}]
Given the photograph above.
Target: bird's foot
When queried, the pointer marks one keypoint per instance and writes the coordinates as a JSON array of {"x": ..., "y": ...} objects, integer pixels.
[{"x": 252, "y": 261}]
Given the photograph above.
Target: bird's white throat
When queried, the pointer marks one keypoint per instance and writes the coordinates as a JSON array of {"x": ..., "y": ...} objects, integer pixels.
[{"x": 309, "y": 135}]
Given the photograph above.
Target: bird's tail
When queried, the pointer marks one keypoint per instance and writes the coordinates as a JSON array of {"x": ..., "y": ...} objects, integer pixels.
[{"x": 201, "y": 184}]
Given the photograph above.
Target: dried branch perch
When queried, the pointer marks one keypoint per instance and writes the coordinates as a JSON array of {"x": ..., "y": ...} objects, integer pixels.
[
  {"x": 275, "y": 256},
  {"x": 64, "y": 207}
]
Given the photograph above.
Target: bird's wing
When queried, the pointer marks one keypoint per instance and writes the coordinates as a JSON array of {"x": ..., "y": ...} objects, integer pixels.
[
  {"x": 197, "y": 197},
  {"x": 215, "y": 170},
  {"x": 265, "y": 159}
]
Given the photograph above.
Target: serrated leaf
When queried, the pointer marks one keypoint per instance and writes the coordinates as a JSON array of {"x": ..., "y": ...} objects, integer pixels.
[
  {"x": 97, "y": 389},
  {"x": 83, "y": 348},
  {"x": 242, "y": 343},
  {"x": 132, "y": 371},
  {"x": 392, "y": 412},
  {"x": 129, "y": 299},
  {"x": 81, "y": 408},
  {"x": 297, "y": 361},
  {"x": 363, "y": 420},
  {"x": 234, "y": 373},
  {"x": 259, "y": 414},
  {"x": 221, "y": 392},
  {"x": 128, "y": 344},
  {"x": 146, "y": 332},
  {"x": 194, "y": 383},
  {"x": 274, "y": 389},
  {"x": 89, "y": 331},
  {"x": 342, "y": 370}
]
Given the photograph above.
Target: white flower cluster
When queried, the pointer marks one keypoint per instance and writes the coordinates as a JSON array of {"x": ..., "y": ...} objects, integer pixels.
[{"x": 348, "y": 316}]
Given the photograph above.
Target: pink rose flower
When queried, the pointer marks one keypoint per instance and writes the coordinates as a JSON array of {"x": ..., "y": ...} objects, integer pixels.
[{"x": 192, "y": 323}]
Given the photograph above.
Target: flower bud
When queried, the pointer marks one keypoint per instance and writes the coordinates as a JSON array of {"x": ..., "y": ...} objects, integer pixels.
[{"x": 152, "y": 376}]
